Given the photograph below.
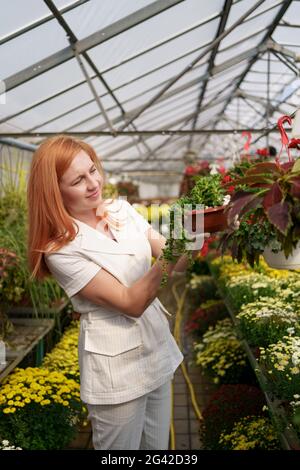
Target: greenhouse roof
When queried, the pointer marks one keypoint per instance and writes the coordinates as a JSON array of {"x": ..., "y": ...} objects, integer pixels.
[{"x": 145, "y": 82}]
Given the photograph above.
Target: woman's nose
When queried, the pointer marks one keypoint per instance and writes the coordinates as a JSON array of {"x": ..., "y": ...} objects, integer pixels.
[{"x": 92, "y": 182}]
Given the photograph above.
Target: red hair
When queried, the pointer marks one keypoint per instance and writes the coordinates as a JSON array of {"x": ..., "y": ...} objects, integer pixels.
[{"x": 49, "y": 221}]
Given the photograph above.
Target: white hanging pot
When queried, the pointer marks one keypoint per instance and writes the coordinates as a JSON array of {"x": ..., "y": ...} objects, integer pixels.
[
  {"x": 296, "y": 126},
  {"x": 279, "y": 261}
]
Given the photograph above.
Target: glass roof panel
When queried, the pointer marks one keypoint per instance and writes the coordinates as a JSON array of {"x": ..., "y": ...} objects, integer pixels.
[
  {"x": 94, "y": 15},
  {"x": 27, "y": 13}
]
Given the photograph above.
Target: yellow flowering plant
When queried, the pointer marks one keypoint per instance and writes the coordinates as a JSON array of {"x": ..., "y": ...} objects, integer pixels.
[
  {"x": 39, "y": 409},
  {"x": 250, "y": 433},
  {"x": 267, "y": 320},
  {"x": 220, "y": 354},
  {"x": 64, "y": 356},
  {"x": 281, "y": 362}
]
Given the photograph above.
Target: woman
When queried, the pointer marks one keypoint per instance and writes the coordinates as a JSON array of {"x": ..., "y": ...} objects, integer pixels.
[{"x": 100, "y": 254}]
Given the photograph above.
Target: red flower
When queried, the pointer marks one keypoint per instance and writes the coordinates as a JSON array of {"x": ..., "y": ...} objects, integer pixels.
[
  {"x": 226, "y": 179},
  {"x": 263, "y": 152}
]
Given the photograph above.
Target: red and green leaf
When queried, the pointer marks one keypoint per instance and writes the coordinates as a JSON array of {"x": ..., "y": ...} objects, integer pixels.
[
  {"x": 279, "y": 216},
  {"x": 273, "y": 196},
  {"x": 240, "y": 204},
  {"x": 253, "y": 180},
  {"x": 264, "y": 168},
  {"x": 295, "y": 187}
]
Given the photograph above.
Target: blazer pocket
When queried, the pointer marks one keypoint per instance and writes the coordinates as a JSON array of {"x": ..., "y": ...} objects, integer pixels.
[
  {"x": 114, "y": 349},
  {"x": 111, "y": 342}
]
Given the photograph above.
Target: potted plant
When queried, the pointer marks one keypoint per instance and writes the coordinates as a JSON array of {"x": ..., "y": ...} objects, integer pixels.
[
  {"x": 186, "y": 220},
  {"x": 267, "y": 203}
]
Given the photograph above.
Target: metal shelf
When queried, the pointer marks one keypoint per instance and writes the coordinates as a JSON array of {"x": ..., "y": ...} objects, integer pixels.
[
  {"x": 27, "y": 333},
  {"x": 288, "y": 438}
]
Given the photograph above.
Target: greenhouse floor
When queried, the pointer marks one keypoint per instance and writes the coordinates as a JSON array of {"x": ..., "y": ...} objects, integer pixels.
[{"x": 186, "y": 424}]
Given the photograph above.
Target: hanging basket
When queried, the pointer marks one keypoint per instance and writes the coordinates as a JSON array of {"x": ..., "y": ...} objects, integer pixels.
[
  {"x": 215, "y": 220},
  {"x": 279, "y": 261}
]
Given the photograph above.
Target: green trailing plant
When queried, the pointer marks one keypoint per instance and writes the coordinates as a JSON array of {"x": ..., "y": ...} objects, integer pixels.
[{"x": 209, "y": 192}]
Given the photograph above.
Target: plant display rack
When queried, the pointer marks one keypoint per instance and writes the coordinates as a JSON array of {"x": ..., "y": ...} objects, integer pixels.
[
  {"x": 27, "y": 333},
  {"x": 288, "y": 437}
]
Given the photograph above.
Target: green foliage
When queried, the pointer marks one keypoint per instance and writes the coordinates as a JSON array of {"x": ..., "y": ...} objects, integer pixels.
[
  {"x": 207, "y": 191},
  {"x": 16, "y": 287},
  {"x": 249, "y": 241},
  {"x": 271, "y": 191}
]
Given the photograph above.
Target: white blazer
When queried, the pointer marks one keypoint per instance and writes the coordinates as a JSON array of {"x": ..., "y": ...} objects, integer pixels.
[{"x": 120, "y": 357}]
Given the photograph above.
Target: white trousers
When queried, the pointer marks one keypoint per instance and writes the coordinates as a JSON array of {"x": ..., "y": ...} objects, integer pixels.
[{"x": 143, "y": 423}]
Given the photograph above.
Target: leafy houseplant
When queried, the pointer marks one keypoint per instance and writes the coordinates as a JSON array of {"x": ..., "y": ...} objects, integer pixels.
[{"x": 267, "y": 197}]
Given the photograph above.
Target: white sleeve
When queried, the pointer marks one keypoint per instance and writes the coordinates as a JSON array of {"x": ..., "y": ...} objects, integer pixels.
[
  {"x": 141, "y": 223},
  {"x": 71, "y": 271}
]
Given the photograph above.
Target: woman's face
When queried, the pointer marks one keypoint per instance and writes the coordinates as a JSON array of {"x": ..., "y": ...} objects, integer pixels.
[{"x": 79, "y": 184}]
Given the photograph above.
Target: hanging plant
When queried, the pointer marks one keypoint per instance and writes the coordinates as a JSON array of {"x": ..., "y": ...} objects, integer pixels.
[{"x": 266, "y": 203}]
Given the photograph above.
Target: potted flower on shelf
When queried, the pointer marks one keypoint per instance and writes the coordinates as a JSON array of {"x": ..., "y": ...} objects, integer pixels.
[
  {"x": 209, "y": 192},
  {"x": 266, "y": 202}
]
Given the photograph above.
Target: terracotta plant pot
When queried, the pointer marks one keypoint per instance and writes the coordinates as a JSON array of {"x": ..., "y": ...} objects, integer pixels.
[
  {"x": 215, "y": 220},
  {"x": 279, "y": 261}
]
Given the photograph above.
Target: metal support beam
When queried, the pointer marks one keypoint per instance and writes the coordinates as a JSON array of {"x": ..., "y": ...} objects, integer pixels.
[
  {"x": 218, "y": 69},
  {"x": 123, "y": 62},
  {"x": 89, "y": 42},
  {"x": 74, "y": 44},
  {"x": 286, "y": 62},
  {"x": 211, "y": 63},
  {"x": 18, "y": 144},
  {"x": 194, "y": 62},
  {"x": 271, "y": 28},
  {"x": 268, "y": 97},
  {"x": 94, "y": 93},
  {"x": 130, "y": 133}
]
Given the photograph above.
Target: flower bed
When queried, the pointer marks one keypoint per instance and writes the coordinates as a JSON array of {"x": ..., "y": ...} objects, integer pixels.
[
  {"x": 251, "y": 433},
  {"x": 281, "y": 362},
  {"x": 267, "y": 320},
  {"x": 208, "y": 314},
  {"x": 64, "y": 356},
  {"x": 220, "y": 354},
  {"x": 39, "y": 409},
  {"x": 229, "y": 404}
]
